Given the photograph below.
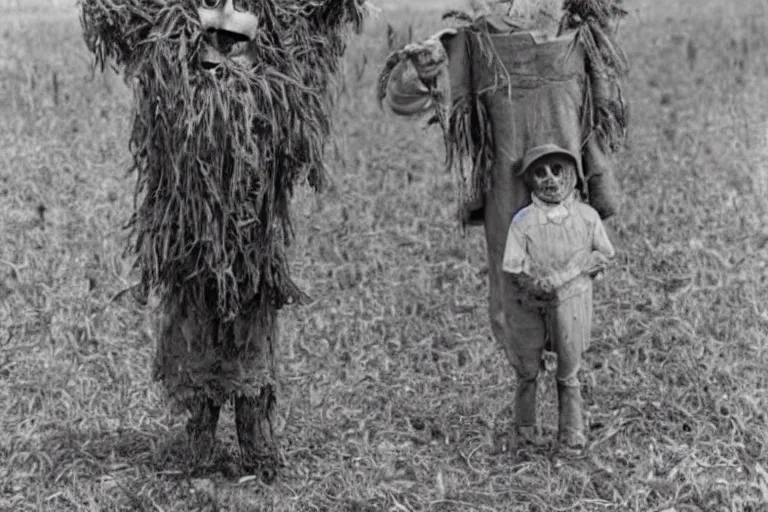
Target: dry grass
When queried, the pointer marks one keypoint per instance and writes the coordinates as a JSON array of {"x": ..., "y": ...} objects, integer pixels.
[{"x": 394, "y": 396}]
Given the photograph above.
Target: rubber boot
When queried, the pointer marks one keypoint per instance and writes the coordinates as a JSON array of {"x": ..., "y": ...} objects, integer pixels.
[
  {"x": 255, "y": 435},
  {"x": 571, "y": 438},
  {"x": 526, "y": 428},
  {"x": 201, "y": 429}
]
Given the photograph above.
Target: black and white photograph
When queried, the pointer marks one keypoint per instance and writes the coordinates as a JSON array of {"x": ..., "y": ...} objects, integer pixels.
[{"x": 384, "y": 255}]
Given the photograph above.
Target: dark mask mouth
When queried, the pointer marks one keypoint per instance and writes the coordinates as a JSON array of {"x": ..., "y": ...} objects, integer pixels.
[
  {"x": 552, "y": 193},
  {"x": 220, "y": 45},
  {"x": 212, "y": 60},
  {"x": 225, "y": 41}
]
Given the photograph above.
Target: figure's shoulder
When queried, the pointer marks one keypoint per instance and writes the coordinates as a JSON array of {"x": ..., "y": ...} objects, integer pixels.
[
  {"x": 523, "y": 215},
  {"x": 586, "y": 211}
]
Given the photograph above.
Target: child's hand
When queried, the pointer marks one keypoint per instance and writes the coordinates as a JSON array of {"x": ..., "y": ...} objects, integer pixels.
[
  {"x": 537, "y": 299},
  {"x": 597, "y": 265},
  {"x": 429, "y": 57},
  {"x": 536, "y": 293}
]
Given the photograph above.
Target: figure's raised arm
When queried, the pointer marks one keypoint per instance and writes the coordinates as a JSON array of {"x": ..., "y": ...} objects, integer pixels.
[
  {"x": 114, "y": 29},
  {"x": 416, "y": 75}
]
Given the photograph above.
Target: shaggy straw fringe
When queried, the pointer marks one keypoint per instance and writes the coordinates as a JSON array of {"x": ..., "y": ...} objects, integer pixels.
[
  {"x": 217, "y": 158},
  {"x": 470, "y": 138},
  {"x": 606, "y": 64}
]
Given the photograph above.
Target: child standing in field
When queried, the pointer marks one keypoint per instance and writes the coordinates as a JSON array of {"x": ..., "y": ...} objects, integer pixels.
[{"x": 554, "y": 249}]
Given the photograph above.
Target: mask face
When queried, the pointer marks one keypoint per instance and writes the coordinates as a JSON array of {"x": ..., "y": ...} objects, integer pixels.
[
  {"x": 230, "y": 32},
  {"x": 552, "y": 178}
]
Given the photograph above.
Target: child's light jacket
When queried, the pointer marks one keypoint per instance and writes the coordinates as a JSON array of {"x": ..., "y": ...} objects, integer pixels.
[{"x": 554, "y": 243}]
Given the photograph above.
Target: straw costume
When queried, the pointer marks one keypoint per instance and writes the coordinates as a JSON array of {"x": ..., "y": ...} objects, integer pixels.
[
  {"x": 231, "y": 113},
  {"x": 498, "y": 90}
]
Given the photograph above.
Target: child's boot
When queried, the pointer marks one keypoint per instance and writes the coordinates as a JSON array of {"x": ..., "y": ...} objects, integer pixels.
[
  {"x": 571, "y": 438},
  {"x": 526, "y": 430}
]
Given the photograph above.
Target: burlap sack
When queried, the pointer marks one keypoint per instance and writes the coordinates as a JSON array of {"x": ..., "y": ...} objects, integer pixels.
[
  {"x": 540, "y": 95},
  {"x": 535, "y": 88}
]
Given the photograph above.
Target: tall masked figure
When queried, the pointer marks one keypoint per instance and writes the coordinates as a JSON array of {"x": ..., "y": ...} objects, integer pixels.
[
  {"x": 231, "y": 111},
  {"x": 500, "y": 89}
]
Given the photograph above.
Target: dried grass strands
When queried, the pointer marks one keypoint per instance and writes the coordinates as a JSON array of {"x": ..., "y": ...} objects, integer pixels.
[
  {"x": 469, "y": 133},
  {"x": 600, "y": 11},
  {"x": 469, "y": 137},
  {"x": 460, "y": 16},
  {"x": 606, "y": 63}
]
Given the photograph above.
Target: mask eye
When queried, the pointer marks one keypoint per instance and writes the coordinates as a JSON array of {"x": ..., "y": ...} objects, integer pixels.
[
  {"x": 556, "y": 169},
  {"x": 211, "y": 4},
  {"x": 540, "y": 173}
]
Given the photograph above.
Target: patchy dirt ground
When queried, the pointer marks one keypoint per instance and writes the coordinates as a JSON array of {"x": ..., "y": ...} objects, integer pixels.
[{"x": 394, "y": 395}]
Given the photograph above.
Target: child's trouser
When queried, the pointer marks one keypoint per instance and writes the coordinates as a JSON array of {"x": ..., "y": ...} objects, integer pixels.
[
  {"x": 564, "y": 328},
  {"x": 522, "y": 332}
]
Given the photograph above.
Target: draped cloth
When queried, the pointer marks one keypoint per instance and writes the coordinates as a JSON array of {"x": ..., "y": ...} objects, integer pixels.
[
  {"x": 534, "y": 88},
  {"x": 541, "y": 93},
  {"x": 197, "y": 356}
]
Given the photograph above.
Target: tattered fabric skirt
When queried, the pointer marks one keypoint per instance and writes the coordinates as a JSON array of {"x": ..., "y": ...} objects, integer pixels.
[{"x": 198, "y": 356}]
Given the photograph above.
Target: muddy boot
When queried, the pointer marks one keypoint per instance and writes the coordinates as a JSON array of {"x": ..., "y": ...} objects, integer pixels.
[
  {"x": 571, "y": 438},
  {"x": 201, "y": 430},
  {"x": 526, "y": 429},
  {"x": 258, "y": 448}
]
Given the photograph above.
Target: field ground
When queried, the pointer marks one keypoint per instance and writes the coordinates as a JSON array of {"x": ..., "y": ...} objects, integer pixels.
[{"x": 394, "y": 395}]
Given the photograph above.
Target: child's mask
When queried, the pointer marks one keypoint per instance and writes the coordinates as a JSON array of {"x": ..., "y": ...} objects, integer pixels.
[{"x": 552, "y": 178}]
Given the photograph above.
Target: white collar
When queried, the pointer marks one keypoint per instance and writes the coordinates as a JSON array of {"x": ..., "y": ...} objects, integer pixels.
[{"x": 553, "y": 212}]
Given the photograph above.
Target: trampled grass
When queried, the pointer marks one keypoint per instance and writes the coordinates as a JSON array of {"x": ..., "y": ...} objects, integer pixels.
[{"x": 394, "y": 396}]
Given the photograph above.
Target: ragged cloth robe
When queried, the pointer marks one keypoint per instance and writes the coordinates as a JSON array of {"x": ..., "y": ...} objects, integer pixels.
[{"x": 503, "y": 91}]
